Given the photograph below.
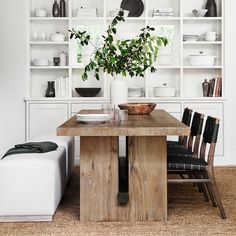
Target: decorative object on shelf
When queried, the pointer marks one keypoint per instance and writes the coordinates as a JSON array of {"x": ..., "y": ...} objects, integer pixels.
[
  {"x": 138, "y": 108},
  {"x": 62, "y": 8},
  {"x": 164, "y": 91},
  {"x": 63, "y": 60},
  {"x": 56, "y": 61},
  {"x": 135, "y": 7},
  {"x": 163, "y": 12},
  {"x": 135, "y": 91},
  {"x": 58, "y": 37},
  {"x": 88, "y": 92},
  {"x": 210, "y": 36},
  {"x": 199, "y": 12},
  {"x": 55, "y": 9},
  {"x": 63, "y": 87},
  {"x": 40, "y": 62},
  {"x": 40, "y": 12},
  {"x": 205, "y": 88},
  {"x": 50, "y": 92},
  {"x": 201, "y": 59},
  {"x": 190, "y": 37},
  {"x": 212, "y": 8},
  {"x": 124, "y": 57},
  {"x": 119, "y": 91},
  {"x": 113, "y": 13},
  {"x": 86, "y": 12}
]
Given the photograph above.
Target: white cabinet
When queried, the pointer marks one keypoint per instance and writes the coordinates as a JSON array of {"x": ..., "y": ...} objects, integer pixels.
[
  {"x": 215, "y": 110},
  {"x": 45, "y": 118}
]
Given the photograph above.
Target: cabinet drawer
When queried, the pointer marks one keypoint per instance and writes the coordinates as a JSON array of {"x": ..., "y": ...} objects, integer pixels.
[
  {"x": 45, "y": 118},
  {"x": 169, "y": 107}
]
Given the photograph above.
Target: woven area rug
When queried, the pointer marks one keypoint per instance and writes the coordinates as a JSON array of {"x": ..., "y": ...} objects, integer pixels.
[{"x": 188, "y": 214}]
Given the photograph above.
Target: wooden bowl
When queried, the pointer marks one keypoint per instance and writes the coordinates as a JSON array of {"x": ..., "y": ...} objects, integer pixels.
[
  {"x": 138, "y": 108},
  {"x": 88, "y": 92}
]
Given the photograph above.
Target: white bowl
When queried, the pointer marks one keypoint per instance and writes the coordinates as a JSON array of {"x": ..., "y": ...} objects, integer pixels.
[
  {"x": 41, "y": 62},
  {"x": 164, "y": 91},
  {"x": 58, "y": 37},
  {"x": 201, "y": 60},
  {"x": 39, "y": 12},
  {"x": 199, "y": 12}
]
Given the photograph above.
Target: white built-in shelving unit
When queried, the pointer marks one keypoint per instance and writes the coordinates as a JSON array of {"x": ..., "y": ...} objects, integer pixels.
[{"x": 186, "y": 79}]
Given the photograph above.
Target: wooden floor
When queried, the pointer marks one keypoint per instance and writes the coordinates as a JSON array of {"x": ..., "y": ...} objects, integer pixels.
[{"x": 188, "y": 214}]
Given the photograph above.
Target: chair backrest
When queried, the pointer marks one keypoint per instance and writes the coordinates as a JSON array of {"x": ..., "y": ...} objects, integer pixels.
[
  {"x": 210, "y": 137},
  {"x": 196, "y": 131},
  {"x": 186, "y": 119}
]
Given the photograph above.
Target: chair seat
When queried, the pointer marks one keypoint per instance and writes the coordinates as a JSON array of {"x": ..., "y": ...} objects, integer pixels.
[
  {"x": 179, "y": 151},
  {"x": 185, "y": 163}
]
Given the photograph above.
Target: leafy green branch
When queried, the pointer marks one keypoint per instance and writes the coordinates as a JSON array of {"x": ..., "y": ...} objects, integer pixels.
[{"x": 125, "y": 57}]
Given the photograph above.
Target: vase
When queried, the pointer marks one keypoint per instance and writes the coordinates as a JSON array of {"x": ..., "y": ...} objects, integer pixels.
[
  {"x": 212, "y": 8},
  {"x": 205, "y": 88},
  {"x": 55, "y": 9},
  {"x": 119, "y": 91},
  {"x": 50, "y": 92},
  {"x": 62, "y": 8}
]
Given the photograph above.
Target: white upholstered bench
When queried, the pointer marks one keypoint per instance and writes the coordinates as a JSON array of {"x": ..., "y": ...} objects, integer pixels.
[{"x": 32, "y": 185}]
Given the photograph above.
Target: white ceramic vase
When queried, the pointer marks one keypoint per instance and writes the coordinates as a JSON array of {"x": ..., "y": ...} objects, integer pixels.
[{"x": 119, "y": 91}]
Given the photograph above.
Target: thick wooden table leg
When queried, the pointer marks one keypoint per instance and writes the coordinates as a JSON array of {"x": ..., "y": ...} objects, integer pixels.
[
  {"x": 98, "y": 178},
  {"x": 147, "y": 179}
]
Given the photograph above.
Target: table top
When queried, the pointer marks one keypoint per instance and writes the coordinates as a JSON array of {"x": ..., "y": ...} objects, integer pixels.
[{"x": 158, "y": 123}]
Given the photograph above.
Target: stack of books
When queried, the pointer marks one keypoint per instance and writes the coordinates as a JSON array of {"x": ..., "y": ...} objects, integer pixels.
[
  {"x": 163, "y": 12},
  {"x": 63, "y": 87},
  {"x": 215, "y": 88}
]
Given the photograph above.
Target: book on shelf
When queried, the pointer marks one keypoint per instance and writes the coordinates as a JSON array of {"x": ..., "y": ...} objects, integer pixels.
[
  {"x": 215, "y": 89},
  {"x": 63, "y": 87}
]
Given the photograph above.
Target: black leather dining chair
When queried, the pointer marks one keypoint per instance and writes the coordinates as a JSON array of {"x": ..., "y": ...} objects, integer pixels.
[{"x": 201, "y": 170}]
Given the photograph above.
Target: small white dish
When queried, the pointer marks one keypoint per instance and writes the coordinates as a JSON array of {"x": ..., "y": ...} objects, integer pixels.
[
  {"x": 41, "y": 62},
  {"x": 39, "y": 12},
  {"x": 93, "y": 118},
  {"x": 58, "y": 37}
]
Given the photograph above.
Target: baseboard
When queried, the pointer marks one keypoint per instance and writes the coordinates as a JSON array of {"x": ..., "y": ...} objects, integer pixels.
[{"x": 5, "y": 219}]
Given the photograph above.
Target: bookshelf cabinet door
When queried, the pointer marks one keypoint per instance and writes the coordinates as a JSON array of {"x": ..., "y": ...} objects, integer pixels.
[{"x": 45, "y": 118}]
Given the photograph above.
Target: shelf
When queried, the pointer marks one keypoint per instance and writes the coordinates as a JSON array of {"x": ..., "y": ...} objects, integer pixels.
[
  {"x": 163, "y": 18},
  {"x": 141, "y": 99},
  {"x": 202, "y": 18},
  {"x": 49, "y": 67},
  {"x": 202, "y": 67},
  {"x": 167, "y": 67},
  {"x": 87, "y": 18},
  {"x": 48, "y": 43},
  {"x": 203, "y": 42},
  {"x": 128, "y": 18},
  {"x": 49, "y": 18}
]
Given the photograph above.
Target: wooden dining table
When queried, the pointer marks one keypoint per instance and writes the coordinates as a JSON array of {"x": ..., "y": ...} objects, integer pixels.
[{"x": 147, "y": 166}]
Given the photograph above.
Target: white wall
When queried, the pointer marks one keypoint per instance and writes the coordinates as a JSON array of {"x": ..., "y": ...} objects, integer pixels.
[{"x": 13, "y": 18}]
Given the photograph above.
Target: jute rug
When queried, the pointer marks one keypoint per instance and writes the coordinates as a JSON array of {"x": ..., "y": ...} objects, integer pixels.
[{"x": 188, "y": 214}]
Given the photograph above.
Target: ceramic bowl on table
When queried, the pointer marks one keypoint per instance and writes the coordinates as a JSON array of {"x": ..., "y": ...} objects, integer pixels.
[
  {"x": 88, "y": 92},
  {"x": 138, "y": 108}
]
